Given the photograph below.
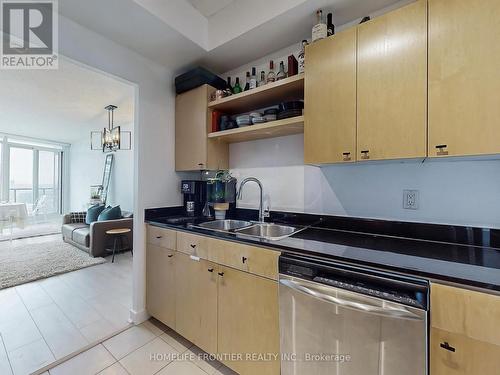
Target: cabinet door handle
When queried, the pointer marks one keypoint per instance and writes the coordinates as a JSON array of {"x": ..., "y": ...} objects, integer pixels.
[
  {"x": 447, "y": 346},
  {"x": 221, "y": 273},
  {"x": 244, "y": 259},
  {"x": 170, "y": 255},
  {"x": 210, "y": 270},
  {"x": 158, "y": 237},
  {"x": 364, "y": 154},
  {"x": 441, "y": 150},
  {"x": 192, "y": 246},
  {"x": 347, "y": 156}
]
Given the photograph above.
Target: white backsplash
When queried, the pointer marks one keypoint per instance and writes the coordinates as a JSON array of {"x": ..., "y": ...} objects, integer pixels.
[{"x": 461, "y": 192}]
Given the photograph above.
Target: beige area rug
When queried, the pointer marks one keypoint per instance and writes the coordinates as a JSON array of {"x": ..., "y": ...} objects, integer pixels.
[
  {"x": 20, "y": 264},
  {"x": 31, "y": 230}
]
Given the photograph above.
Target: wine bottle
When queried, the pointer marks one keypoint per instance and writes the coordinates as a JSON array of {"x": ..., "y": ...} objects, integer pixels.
[
  {"x": 253, "y": 79},
  {"x": 271, "y": 77},
  {"x": 229, "y": 83},
  {"x": 281, "y": 74},
  {"x": 329, "y": 24},
  {"x": 247, "y": 83},
  {"x": 319, "y": 30},
  {"x": 237, "y": 87}
]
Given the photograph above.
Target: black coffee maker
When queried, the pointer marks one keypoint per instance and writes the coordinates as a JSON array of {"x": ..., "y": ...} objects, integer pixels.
[{"x": 195, "y": 196}]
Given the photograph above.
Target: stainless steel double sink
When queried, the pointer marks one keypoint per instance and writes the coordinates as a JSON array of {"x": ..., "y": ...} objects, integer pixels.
[{"x": 269, "y": 231}]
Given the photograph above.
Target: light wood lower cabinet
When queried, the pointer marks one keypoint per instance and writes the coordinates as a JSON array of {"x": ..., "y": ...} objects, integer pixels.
[
  {"x": 161, "y": 237},
  {"x": 160, "y": 283},
  {"x": 196, "y": 301},
  {"x": 465, "y": 332},
  {"x": 226, "y": 304},
  {"x": 248, "y": 321},
  {"x": 454, "y": 354}
]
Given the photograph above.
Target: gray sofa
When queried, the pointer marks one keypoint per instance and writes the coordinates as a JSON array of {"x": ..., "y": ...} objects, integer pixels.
[{"x": 92, "y": 238}]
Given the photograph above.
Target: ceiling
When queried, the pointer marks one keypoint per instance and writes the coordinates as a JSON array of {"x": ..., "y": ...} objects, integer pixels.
[
  {"x": 219, "y": 34},
  {"x": 64, "y": 104},
  {"x": 209, "y": 7}
]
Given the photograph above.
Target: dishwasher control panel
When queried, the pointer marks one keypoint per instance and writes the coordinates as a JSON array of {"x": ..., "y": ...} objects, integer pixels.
[{"x": 391, "y": 287}]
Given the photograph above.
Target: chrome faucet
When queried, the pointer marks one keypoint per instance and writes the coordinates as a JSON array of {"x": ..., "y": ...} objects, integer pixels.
[{"x": 261, "y": 204}]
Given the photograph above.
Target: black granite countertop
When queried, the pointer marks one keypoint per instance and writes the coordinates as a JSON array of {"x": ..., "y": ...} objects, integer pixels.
[{"x": 463, "y": 255}]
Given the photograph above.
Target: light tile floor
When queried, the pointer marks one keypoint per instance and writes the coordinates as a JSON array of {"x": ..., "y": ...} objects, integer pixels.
[
  {"x": 131, "y": 351},
  {"x": 46, "y": 320}
]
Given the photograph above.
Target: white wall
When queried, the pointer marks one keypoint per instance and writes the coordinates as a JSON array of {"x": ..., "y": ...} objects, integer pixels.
[
  {"x": 155, "y": 181},
  {"x": 86, "y": 169},
  {"x": 462, "y": 192}
]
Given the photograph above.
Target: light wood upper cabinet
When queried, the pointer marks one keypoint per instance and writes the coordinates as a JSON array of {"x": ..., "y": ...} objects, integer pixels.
[
  {"x": 160, "y": 283},
  {"x": 248, "y": 320},
  {"x": 196, "y": 301},
  {"x": 464, "y": 77},
  {"x": 330, "y": 99},
  {"x": 392, "y": 85},
  {"x": 193, "y": 149}
]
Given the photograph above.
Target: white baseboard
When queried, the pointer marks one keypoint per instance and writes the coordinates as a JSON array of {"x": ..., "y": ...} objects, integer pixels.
[{"x": 137, "y": 317}]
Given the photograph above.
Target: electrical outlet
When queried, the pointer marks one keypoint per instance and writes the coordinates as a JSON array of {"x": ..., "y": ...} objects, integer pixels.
[{"x": 410, "y": 199}]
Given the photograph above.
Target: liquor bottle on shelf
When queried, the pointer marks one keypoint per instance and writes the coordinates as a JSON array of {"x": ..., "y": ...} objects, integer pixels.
[
  {"x": 293, "y": 66},
  {"x": 330, "y": 27},
  {"x": 271, "y": 76},
  {"x": 237, "y": 88},
  {"x": 262, "y": 81},
  {"x": 281, "y": 74},
  {"x": 319, "y": 30},
  {"x": 301, "y": 57},
  {"x": 229, "y": 86},
  {"x": 247, "y": 83},
  {"x": 253, "y": 79}
]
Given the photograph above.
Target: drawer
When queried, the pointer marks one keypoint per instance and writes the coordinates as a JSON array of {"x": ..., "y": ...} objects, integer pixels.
[
  {"x": 161, "y": 237},
  {"x": 470, "y": 357},
  {"x": 256, "y": 260},
  {"x": 193, "y": 244},
  {"x": 473, "y": 314}
]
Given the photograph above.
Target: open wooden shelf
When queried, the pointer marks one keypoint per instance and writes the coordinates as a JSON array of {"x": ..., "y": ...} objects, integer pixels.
[
  {"x": 291, "y": 88},
  {"x": 278, "y": 128}
]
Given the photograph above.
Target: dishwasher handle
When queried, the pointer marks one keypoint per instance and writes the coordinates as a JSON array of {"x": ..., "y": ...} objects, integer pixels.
[{"x": 386, "y": 311}]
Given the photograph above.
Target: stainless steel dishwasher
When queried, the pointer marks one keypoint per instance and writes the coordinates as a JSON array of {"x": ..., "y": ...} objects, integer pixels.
[{"x": 339, "y": 319}]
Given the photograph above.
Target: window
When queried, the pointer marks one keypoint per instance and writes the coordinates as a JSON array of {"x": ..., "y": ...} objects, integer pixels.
[
  {"x": 30, "y": 173},
  {"x": 21, "y": 176}
]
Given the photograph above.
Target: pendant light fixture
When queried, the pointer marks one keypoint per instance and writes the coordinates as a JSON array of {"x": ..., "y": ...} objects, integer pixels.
[{"x": 110, "y": 137}]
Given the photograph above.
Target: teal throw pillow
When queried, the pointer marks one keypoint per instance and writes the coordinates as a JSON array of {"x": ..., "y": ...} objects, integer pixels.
[
  {"x": 93, "y": 213},
  {"x": 110, "y": 213}
]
